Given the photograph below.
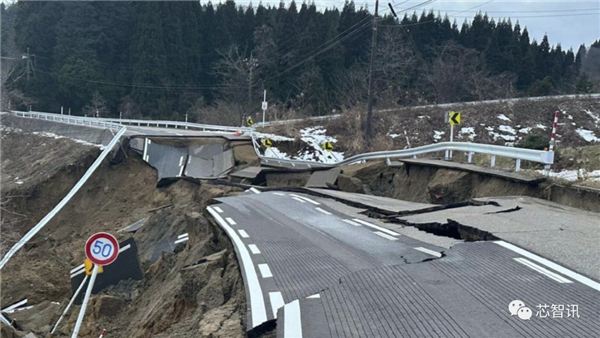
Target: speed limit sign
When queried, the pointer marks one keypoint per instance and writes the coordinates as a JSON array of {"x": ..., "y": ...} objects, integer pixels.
[{"x": 102, "y": 248}]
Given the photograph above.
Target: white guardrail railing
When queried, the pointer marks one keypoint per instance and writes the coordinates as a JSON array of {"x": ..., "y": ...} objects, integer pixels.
[
  {"x": 539, "y": 156},
  {"x": 519, "y": 154}
]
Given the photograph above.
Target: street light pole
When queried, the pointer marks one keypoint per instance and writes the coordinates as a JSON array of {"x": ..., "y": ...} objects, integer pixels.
[{"x": 370, "y": 102}]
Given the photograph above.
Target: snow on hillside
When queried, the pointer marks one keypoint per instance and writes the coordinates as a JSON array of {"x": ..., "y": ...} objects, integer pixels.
[{"x": 313, "y": 139}]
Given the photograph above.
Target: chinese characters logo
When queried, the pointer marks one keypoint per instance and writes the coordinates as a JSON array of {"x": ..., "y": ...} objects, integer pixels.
[{"x": 518, "y": 308}]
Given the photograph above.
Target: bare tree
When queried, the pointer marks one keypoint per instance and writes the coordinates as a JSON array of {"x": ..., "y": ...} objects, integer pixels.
[
  {"x": 459, "y": 75},
  {"x": 97, "y": 106}
]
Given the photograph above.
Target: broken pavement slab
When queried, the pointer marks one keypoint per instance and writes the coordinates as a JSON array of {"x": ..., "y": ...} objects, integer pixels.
[{"x": 566, "y": 235}]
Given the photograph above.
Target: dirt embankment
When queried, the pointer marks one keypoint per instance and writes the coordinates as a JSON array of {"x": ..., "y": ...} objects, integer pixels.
[{"x": 197, "y": 290}]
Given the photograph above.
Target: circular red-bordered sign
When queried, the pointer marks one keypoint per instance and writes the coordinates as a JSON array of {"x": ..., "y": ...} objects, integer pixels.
[{"x": 102, "y": 248}]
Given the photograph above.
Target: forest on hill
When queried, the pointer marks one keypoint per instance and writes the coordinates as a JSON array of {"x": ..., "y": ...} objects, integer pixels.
[{"x": 155, "y": 59}]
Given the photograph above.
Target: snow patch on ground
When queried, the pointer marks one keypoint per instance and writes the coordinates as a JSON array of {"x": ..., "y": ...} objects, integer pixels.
[
  {"x": 525, "y": 130},
  {"x": 570, "y": 117},
  {"x": 393, "y": 135},
  {"x": 437, "y": 135},
  {"x": 503, "y": 117},
  {"x": 467, "y": 131},
  {"x": 314, "y": 138},
  {"x": 72, "y": 139},
  {"x": 497, "y": 136},
  {"x": 541, "y": 126},
  {"x": 575, "y": 175},
  {"x": 423, "y": 117},
  {"x": 587, "y": 135},
  {"x": 594, "y": 116},
  {"x": 507, "y": 129}
]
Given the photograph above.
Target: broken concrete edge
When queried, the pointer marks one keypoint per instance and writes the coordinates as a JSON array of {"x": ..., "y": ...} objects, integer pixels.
[{"x": 469, "y": 167}]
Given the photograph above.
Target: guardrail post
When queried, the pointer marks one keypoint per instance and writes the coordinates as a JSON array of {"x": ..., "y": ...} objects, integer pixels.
[
  {"x": 387, "y": 161},
  {"x": 518, "y": 165},
  {"x": 470, "y": 157},
  {"x": 493, "y": 164}
]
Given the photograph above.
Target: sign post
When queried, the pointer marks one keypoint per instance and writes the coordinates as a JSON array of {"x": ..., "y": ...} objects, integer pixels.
[
  {"x": 101, "y": 249},
  {"x": 264, "y": 106},
  {"x": 453, "y": 118}
]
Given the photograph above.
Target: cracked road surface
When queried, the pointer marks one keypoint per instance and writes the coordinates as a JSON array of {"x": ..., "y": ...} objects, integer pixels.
[{"x": 322, "y": 273}]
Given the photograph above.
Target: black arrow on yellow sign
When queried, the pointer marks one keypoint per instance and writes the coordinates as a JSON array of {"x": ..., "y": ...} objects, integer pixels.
[
  {"x": 268, "y": 143},
  {"x": 249, "y": 121},
  {"x": 328, "y": 146},
  {"x": 454, "y": 118}
]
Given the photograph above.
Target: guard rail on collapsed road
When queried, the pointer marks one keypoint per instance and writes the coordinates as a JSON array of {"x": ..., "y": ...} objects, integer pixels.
[
  {"x": 111, "y": 123},
  {"x": 544, "y": 157},
  {"x": 539, "y": 156}
]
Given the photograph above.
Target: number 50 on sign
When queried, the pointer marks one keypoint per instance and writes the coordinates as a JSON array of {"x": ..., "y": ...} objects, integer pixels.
[{"x": 102, "y": 248}]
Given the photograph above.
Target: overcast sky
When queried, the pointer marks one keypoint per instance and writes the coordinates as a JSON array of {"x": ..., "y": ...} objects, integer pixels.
[{"x": 569, "y": 23}]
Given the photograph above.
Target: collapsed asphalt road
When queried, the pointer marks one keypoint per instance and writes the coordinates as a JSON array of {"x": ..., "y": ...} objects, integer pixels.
[{"x": 322, "y": 273}]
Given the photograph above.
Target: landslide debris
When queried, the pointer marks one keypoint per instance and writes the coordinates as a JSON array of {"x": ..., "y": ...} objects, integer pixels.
[{"x": 194, "y": 291}]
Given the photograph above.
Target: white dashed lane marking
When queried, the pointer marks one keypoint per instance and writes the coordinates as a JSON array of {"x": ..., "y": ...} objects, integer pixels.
[
  {"x": 323, "y": 211},
  {"x": 219, "y": 210},
  {"x": 306, "y": 199},
  {"x": 254, "y": 249},
  {"x": 351, "y": 222},
  {"x": 386, "y": 236},
  {"x": 243, "y": 233},
  {"x": 377, "y": 227},
  {"x": 231, "y": 221},
  {"x": 265, "y": 271}
]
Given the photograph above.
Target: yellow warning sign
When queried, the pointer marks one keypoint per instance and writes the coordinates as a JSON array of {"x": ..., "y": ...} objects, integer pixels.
[
  {"x": 249, "y": 121},
  {"x": 454, "y": 118},
  {"x": 267, "y": 143},
  {"x": 327, "y": 146},
  {"x": 89, "y": 266}
]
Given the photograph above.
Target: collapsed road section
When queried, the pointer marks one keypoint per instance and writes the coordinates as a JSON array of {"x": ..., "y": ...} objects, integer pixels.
[{"x": 321, "y": 271}]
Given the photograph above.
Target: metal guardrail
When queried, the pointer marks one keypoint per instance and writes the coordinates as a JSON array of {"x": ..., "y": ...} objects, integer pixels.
[
  {"x": 519, "y": 154},
  {"x": 76, "y": 120},
  {"x": 116, "y": 124},
  {"x": 539, "y": 156}
]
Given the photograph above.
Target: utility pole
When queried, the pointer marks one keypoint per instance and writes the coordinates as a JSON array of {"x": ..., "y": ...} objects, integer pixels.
[
  {"x": 28, "y": 64},
  {"x": 252, "y": 62},
  {"x": 373, "y": 50}
]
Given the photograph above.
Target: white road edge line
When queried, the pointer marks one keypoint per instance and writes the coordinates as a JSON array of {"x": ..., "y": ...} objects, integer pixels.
[
  {"x": 243, "y": 233},
  {"x": 265, "y": 271},
  {"x": 306, "y": 199},
  {"x": 574, "y": 275},
  {"x": 276, "y": 302},
  {"x": 323, "y": 211},
  {"x": 543, "y": 271},
  {"x": 254, "y": 249},
  {"x": 278, "y": 194},
  {"x": 180, "y": 160},
  {"x": 386, "y": 236},
  {"x": 299, "y": 199},
  {"x": 316, "y": 295},
  {"x": 351, "y": 222},
  {"x": 427, "y": 251},
  {"x": 254, "y": 190},
  {"x": 387, "y": 231},
  {"x": 219, "y": 210},
  {"x": 257, "y": 302},
  {"x": 292, "y": 322},
  {"x": 181, "y": 169},
  {"x": 231, "y": 221},
  {"x": 184, "y": 235}
]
